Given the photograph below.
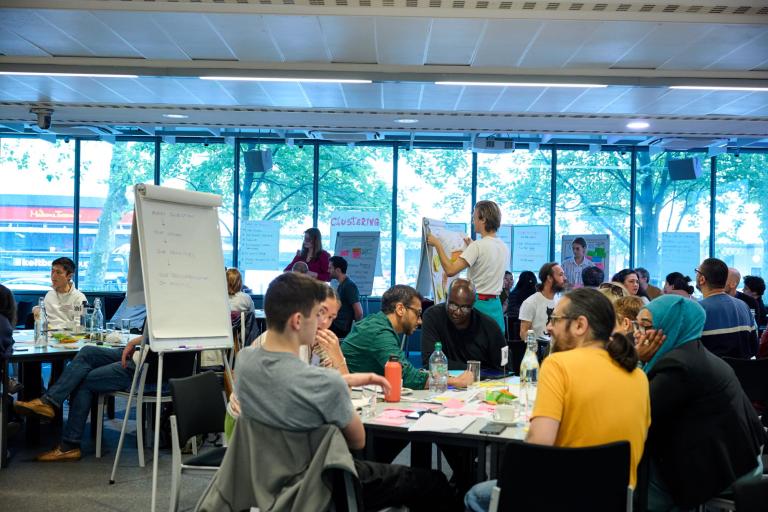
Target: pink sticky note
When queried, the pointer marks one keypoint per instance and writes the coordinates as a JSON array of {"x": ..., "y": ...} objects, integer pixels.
[
  {"x": 486, "y": 408},
  {"x": 453, "y": 404},
  {"x": 393, "y": 413},
  {"x": 383, "y": 420},
  {"x": 430, "y": 407}
]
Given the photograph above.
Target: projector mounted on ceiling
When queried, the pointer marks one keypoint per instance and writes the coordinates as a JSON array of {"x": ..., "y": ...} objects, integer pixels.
[
  {"x": 344, "y": 136},
  {"x": 492, "y": 145}
]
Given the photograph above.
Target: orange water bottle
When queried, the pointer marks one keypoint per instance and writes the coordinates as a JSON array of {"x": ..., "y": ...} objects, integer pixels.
[{"x": 393, "y": 372}]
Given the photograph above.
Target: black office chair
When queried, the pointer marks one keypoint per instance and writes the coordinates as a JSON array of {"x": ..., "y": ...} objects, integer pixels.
[
  {"x": 752, "y": 497},
  {"x": 544, "y": 478},
  {"x": 199, "y": 408},
  {"x": 753, "y": 377}
]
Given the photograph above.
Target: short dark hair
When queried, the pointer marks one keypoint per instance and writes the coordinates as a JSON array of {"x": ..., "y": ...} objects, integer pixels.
[
  {"x": 621, "y": 275},
  {"x": 641, "y": 272},
  {"x": 507, "y": 273},
  {"x": 400, "y": 293},
  {"x": 715, "y": 271},
  {"x": 8, "y": 305},
  {"x": 489, "y": 212},
  {"x": 679, "y": 282},
  {"x": 756, "y": 284},
  {"x": 599, "y": 312},
  {"x": 66, "y": 263},
  {"x": 580, "y": 241},
  {"x": 339, "y": 263},
  {"x": 545, "y": 271},
  {"x": 291, "y": 293},
  {"x": 592, "y": 276}
]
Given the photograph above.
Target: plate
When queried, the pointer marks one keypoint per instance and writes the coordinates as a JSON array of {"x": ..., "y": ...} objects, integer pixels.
[{"x": 515, "y": 423}]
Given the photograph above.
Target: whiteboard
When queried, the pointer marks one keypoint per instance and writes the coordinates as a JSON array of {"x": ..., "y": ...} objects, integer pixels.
[
  {"x": 259, "y": 245},
  {"x": 530, "y": 247},
  {"x": 180, "y": 270},
  {"x": 679, "y": 252},
  {"x": 361, "y": 250}
]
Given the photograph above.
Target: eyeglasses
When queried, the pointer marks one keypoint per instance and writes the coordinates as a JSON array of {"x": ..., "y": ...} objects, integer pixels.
[
  {"x": 640, "y": 328},
  {"x": 553, "y": 319},
  {"x": 697, "y": 271},
  {"x": 415, "y": 310},
  {"x": 453, "y": 308}
]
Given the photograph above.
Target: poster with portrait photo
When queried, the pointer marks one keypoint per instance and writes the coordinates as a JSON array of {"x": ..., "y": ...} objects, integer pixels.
[{"x": 597, "y": 253}]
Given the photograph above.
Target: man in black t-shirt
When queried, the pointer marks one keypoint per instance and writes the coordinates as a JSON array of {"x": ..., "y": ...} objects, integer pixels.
[
  {"x": 348, "y": 295},
  {"x": 466, "y": 333}
]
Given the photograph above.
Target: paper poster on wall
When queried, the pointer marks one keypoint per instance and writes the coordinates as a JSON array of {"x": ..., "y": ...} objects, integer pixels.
[
  {"x": 361, "y": 250},
  {"x": 504, "y": 233},
  {"x": 259, "y": 247},
  {"x": 351, "y": 221},
  {"x": 530, "y": 247},
  {"x": 680, "y": 252},
  {"x": 597, "y": 253},
  {"x": 432, "y": 279}
]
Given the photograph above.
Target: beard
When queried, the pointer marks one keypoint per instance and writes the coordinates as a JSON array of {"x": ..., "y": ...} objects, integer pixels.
[
  {"x": 557, "y": 287},
  {"x": 562, "y": 343}
]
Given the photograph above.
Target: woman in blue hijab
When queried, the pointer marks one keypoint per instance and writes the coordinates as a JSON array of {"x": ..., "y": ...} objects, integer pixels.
[{"x": 705, "y": 434}]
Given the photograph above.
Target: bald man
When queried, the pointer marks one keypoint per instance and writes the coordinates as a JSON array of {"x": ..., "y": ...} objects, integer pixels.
[
  {"x": 734, "y": 278},
  {"x": 466, "y": 333}
]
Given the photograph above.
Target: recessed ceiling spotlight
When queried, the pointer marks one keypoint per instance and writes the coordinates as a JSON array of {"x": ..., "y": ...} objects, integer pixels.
[
  {"x": 406, "y": 121},
  {"x": 175, "y": 116},
  {"x": 638, "y": 125}
]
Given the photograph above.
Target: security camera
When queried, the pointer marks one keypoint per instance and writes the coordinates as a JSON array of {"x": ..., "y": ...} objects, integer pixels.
[{"x": 43, "y": 117}]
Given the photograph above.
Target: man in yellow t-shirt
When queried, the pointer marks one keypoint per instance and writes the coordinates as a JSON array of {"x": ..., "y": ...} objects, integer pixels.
[{"x": 590, "y": 390}]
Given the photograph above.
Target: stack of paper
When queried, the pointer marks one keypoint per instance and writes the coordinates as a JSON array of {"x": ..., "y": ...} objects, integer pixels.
[{"x": 437, "y": 423}]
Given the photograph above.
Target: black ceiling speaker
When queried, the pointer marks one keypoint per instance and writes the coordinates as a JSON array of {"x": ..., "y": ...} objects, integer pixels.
[
  {"x": 684, "y": 169},
  {"x": 258, "y": 160}
]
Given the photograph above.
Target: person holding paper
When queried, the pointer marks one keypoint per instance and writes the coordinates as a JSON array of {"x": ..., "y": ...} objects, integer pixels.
[
  {"x": 313, "y": 255},
  {"x": 486, "y": 258},
  {"x": 62, "y": 302}
]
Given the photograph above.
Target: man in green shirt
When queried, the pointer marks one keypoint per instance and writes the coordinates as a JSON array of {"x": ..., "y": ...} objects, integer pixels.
[{"x": 372, "y": 340}]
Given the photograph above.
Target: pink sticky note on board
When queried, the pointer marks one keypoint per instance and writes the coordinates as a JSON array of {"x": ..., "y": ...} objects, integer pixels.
[{"x": 453, "y": 404}]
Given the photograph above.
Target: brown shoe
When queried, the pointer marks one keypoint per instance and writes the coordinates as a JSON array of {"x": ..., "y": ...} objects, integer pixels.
[
  {"x": 36, "y": 407},
  {"x": 56, "y": 455}
]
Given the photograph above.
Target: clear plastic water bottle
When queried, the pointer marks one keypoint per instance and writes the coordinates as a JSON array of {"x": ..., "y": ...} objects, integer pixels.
[
  {"x": 438, "y": 370},
  {"x": 529, "y": 372},
  {"x": 97, "y": 320},
  {"x": 41, "y": 324}
]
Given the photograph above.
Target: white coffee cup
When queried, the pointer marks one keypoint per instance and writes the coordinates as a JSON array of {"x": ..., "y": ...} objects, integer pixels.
[{"x": 505, "y": 413}]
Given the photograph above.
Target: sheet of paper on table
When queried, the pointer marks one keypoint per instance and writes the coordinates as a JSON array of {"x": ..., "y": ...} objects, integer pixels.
[{"x": 438, "y": 423}]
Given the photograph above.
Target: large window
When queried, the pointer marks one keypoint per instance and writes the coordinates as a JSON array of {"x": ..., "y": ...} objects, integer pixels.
[
  {"x": 203, "y": 168},
  {"x": 742, "y": 211},
  {"x": 107, "y": 175},
  {"x": 283, "y": 196},
  {"x": 358, "y": 179},
  {"x": 672, "y": 216},
  {"x": 433, "y": 183},
  {"x": 593, "y": 195},
  {"x": 36, "y": 210}
]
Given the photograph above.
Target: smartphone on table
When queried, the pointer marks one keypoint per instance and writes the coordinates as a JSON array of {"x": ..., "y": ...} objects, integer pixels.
[{"x": 493, "y": 428}]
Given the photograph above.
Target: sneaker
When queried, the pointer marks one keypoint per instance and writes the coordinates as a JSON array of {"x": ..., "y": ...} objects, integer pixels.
[
  {"x": 56, "y": 455},
  {"x": 36, "y": 407}
]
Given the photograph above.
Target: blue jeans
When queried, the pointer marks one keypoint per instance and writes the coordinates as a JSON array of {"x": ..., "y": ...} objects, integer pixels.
[
  {"x": 478, "y": 498},
  {"x": 94, "y": 370}
]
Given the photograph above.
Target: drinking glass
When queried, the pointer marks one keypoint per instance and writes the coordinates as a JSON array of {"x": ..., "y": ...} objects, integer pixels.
[
  {"x": 87, "y": 319},
  {"x": 474, "y": 367},
  {"x": 369, "y": 406},
  {"x": 125, "y": 325},
  {"x": 110, "y": 327}
]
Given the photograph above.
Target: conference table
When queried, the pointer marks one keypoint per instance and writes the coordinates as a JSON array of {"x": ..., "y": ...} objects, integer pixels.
[
  {"x": 378, "y": 426},
  {"x": 30, "y": 357}
]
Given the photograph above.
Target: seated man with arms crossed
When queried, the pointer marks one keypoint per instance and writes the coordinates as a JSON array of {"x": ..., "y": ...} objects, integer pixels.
[
  {"x": 64, "y": 300},
  {"x": 276, "y": 388},
  {"x": 466, "y": 333},
  {"x": 590, "y": 390}
]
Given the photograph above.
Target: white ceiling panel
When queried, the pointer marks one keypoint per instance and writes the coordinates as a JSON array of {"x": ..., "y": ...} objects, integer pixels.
[
  {"x": 194, "y": 35},
  {"x": 438, "y": 97},
  {"x": 750, "y": 56},
  {"x": 662, "y": 44},
  {"x": 46, "y": 36},
  {"x": 141, "y": 31},
  {"x": 95, "y": 90},
  {"x": 168, "y": 91},
  {"x": 517, "y": 99},
  {"x": 13, "y": 44},
  {"x": 402, "y": 41},
  {"x": 713, "y": 101},
  {"x": 556, "y": 43},
  {"x": 89, "y": 31},
  {"x": 505, "y": 42},
  {"x": 247, "y": 37},
  {"x": 716, "y": 43},
  {"x": 594, "y": 99},
  {"x": 364, "y": 96},
  {"x": 246, "y": 93},
  {"x": 53, "y": 90},
  {"x": 608, "y": 43},
  {"x": 350, "y": 39},
  {"x": 325, "y": 95},
  {"x": 634, "y": 100},
  {"x": 288, "y": 94},
  {"x": 556, "y": 99},
  {"x": 133, "y": 90},
  {"x": 14, "y": 90},
  {"x": 749, "y": 105},
  {"x": 454, "y": 42},
  {"x": 299, "y": 38},
  {"x": 674, "y": 102},
  {"x": 400, "y": 96},
  {"x": 207, "y": 92},
  {"x": 479, "y": 98}
]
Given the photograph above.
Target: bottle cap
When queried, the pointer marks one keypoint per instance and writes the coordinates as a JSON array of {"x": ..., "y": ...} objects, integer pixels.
[
  {"x": 438, "y": 346},
  {"x": 394, "y": 358}
]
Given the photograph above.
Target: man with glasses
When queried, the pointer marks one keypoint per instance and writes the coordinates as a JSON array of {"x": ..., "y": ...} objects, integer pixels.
[
  {"x": 372, "y": 340},
  {"x": 466, "y": 333}
]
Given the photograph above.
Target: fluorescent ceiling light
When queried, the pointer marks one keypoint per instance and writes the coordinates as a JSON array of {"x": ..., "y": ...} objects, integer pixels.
[
  {"x": 406, "y": 121},
  {"x": 272, "y": 79},
  {"x": 714, "y": 88},
  {"x": 521, "y": 84},
  {"x": 86, "y": 75},
  {"x": 638, "y": 125},
  {"x": 175, "y": 116}
]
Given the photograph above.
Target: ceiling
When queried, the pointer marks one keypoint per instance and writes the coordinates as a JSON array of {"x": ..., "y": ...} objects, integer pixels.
[{"x": 637, "y": 50}]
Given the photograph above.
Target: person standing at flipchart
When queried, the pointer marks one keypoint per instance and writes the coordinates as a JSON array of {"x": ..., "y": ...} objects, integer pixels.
[
  {"x": 487, "y": 259},
  {"x": 313, "y": 255}
]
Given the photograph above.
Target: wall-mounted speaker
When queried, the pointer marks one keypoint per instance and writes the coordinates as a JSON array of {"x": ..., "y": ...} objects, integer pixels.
[
  {"x": 684, "y": 169},
  {"x": 258, "y": 161}
]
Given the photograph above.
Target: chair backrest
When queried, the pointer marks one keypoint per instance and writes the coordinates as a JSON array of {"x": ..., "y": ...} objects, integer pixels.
[
  {"x": 175, "y": 365},
  {"x": 199, "y": 406},
  {"x": 752, "y": 375},
  {"x": 251, "y": 329},
  {"x": 535, "y": 477}
]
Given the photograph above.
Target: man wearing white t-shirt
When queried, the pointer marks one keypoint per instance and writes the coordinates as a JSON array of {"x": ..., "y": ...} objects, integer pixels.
[
  {"x": 487, "y": 259},
  {"x": 535, "y": 311},
  {"x": 64, "y": 301}
]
